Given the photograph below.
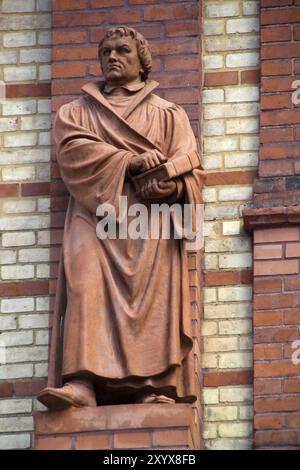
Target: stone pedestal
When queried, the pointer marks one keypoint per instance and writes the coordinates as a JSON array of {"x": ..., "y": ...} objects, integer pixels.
[{"x": 142, "y": 426}]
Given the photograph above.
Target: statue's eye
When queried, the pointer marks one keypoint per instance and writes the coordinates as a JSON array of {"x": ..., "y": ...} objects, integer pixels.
[
  {"x": 124, "y": 50},
  {"x": 105, "y": 51}
]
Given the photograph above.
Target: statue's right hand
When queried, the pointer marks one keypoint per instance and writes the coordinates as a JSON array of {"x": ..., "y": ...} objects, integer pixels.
[{"x": 145, "y": 161}]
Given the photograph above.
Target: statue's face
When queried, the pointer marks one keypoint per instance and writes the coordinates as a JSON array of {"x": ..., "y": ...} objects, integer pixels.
[{"x": 120, "y": 62}]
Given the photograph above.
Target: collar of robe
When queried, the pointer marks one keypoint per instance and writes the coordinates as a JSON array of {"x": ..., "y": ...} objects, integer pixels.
[{"x": 93, "y": 89}]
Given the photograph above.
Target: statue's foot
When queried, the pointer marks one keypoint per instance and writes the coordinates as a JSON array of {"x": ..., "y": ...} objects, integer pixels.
[
  {"x": 152, "y": 398},
  {"x": 77, "y": 393}
]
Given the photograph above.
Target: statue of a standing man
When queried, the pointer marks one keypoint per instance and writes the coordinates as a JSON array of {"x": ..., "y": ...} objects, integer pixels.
[{"x": 124, "y": 304}]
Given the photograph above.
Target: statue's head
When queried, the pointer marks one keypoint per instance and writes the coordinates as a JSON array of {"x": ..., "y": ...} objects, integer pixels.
[{"x": 124, "y": 55}]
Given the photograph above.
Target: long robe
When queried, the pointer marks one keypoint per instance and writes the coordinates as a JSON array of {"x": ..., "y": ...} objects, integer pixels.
[{"x": 122, "y": 312}]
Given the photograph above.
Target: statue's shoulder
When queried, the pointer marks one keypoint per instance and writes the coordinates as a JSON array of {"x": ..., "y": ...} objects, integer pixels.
[
  {"x": 161, "y": 103},
  {"x": 80, "y": 102}
]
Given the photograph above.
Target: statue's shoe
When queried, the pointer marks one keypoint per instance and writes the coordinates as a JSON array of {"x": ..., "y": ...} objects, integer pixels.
[
  {"x": 75, "y": 393},
  {"x": 152, "y": 398}
]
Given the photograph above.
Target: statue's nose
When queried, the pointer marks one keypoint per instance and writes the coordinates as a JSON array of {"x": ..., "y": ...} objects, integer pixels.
[{"x": 112, "y": 55}]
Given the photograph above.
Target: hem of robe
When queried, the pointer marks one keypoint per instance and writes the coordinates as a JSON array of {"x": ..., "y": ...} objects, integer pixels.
[{"x": 176, "y": 382}]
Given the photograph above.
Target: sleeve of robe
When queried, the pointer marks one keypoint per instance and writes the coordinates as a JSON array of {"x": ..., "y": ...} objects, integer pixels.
[
  {"x": 92, "y": 170},
  {"x": 181, "y": 140}
]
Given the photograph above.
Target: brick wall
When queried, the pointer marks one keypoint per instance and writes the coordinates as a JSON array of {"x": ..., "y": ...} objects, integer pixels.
[
  {"x": 276, "y": 327},
  {"x": 275, "y": 223},
  {"x": 24, "y": 219},
  {"x": 230, "y": 126},
  {"x": 279, "y": 183}
]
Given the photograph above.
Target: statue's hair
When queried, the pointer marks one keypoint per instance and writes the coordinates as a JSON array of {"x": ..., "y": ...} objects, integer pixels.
[{"x": 141, "y": 44}]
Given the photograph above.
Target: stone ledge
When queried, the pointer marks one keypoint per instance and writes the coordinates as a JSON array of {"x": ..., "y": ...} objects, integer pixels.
[
  {"x": 271, "y": 217},
  {"x": 118, "y": 427}
]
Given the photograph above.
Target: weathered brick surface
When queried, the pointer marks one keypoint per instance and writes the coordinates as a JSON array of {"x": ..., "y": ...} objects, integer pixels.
[
  {"x": 279, "y": 116},
  {"x": 25, "y": 157},
  {"x": 230, "y": 130},
  {"x": 276, "y": 334}
]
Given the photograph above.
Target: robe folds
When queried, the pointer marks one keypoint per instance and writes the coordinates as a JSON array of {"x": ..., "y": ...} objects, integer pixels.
[{"x": 122, "y": 311}]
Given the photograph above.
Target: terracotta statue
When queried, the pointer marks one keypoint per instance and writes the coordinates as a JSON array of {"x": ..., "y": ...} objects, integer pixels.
[{"x": 122, "y": 324}]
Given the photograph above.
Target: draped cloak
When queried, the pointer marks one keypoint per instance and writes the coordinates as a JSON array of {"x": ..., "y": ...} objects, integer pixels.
[{"x": 122, "y": 310}]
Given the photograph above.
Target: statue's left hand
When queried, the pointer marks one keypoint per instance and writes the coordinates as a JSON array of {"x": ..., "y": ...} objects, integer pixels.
[{"x": 158, "y": 190}]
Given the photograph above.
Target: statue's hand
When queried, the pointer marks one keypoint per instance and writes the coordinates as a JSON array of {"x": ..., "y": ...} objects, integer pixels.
[
  {"x": 145, "y": 161},
  {"x": 158, "y": 190}
]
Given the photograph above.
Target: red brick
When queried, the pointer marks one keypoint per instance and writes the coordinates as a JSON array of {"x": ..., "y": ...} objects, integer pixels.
[
  {"x": 292, "y": 283},
  {"x": 141, "y": 2},
  {"x": 171, "y": 437},
  {"x": 53, "y": 443},
  {"x": 176, "y": 12},
  {"x": 35, "y": 189},
  {"x": 264, "y": 352},
  {"x": 181, "y": 46},
  {"x": 59, "y": 86},
  {"x": 276, "y": 67},
  {"x": 293, "y": 420},
  {"x": 291, "y": 316},
  {"x": 127, "y": 15},
  {"x": 250, "y": 76},
  {"x": 187, "y": 96},
  {"x": 267, "y": 251},
  {"x": 79, "y": 18},
  {"x": 68, "y": 4},
  {"x": 296, "y": 33},
  {"x": 269, "y": 268},
  {"x": 75, "y": 53},
  {"x": 28, "y": 90},
  {"x": 292, "y": 385},
  {"x": 9, "y": 190},
  {"x": 221, "y": 278},
  {"x": 230, "y": 177},
  {"x": 280, "y": 16},
  {"x": 267, "y": 285},
  {"x": 274, "y": 84},
  {"x": 267, "y": 318},
  {"x": 93, "y": 441},
  {"x": 276, "y": 34},
  {"x": 217, "y": 379},
  {"x": 277, "y": 101},
  {"x": 267, "y": 386},
  {"x": 16, "y": 289},
  {"x": 293, "y": 250},
  {"x": 272, "y": 168},
  {"x": 276, "y": 235},
  {"x": 276, "y": 369},
  {"x": 188, "y": 28},
  {"x": 278, "y": 151},
  {"x": 246, "y": 276},
  {"x": 275, "y": 334},
  {"x": 181, "y": 63},
  {"x": 280, "y": 51},
  {"x": 278, "y": 438},
  {"x": 282, "y": 403},
  {"x": 68, "y": 70},
  {"x": 269, "y": 118},
  {"x": 106, "y": 3},
  {"x": 6, "y": 390},
  {"x": 69, "y": 37},
  {"x": 28, "y": 388},
  {"x": 297, "y": 66},
  {"x": 276, "y": 3},
  {"x": 221, "y": 78},
  {"x": 274, "y": 421},
  {"x": 276, "y": 135},
  {"x": 129, "y": 440}
]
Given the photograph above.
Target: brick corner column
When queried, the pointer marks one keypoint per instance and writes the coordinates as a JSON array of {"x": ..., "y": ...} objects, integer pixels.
[{"x": 274, "y": 221}]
